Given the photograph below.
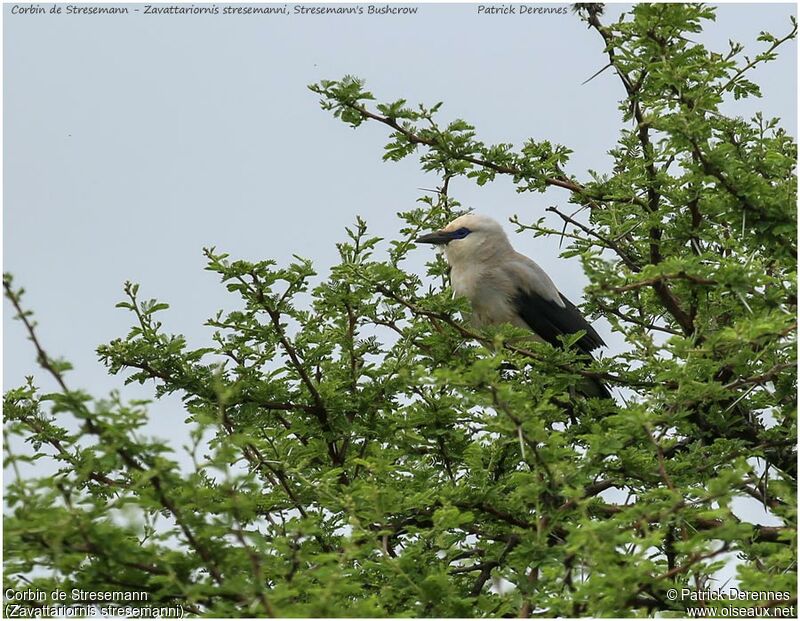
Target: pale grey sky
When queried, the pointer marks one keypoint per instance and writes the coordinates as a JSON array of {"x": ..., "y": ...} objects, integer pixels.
[{"x": 133, "y": 141}]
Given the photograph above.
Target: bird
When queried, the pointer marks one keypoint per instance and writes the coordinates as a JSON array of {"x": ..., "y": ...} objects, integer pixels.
[{"x": 504, "y": 286}]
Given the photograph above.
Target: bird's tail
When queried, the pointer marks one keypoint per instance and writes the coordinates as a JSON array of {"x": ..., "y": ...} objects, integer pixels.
[{"x": 593, "y": 387}]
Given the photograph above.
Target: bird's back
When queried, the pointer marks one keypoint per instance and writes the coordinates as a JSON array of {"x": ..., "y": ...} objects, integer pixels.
[
  {"x": 491, "y": 287},
  {"x": 512, "y": 288}
]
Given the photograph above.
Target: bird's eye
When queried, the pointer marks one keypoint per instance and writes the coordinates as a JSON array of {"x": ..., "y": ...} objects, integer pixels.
[{"x": 461, "y": 233}]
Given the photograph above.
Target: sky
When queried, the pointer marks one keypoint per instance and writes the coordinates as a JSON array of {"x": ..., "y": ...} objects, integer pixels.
[{"x": 131, "y": 142}]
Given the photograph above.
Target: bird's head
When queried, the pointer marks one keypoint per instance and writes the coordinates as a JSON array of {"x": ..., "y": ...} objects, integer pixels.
[{"x": 469, "y": 237}]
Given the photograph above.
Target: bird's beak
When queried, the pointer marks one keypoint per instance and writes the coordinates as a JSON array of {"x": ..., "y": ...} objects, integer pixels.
[{"x": 437, "y": 237}]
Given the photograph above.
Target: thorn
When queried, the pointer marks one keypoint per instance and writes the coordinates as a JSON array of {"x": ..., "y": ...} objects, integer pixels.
[{"x": 596, "y": 74}]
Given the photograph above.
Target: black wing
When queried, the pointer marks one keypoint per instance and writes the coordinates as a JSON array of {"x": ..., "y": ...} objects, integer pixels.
[{"x": 549, "y": 320}]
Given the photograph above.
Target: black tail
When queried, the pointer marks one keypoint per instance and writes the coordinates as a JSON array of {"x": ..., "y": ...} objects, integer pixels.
[{"x": 593, "y": 387}]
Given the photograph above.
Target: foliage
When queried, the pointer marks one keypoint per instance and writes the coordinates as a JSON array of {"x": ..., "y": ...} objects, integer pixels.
[{"x": 359, "y": 451}]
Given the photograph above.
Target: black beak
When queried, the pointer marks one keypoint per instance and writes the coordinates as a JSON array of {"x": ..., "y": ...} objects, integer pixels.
[{"x": 437, "y": 237}]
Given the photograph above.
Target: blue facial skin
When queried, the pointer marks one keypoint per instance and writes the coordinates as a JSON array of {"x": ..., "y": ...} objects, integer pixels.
[
  {"x": 443, "y": 237},
  {"x": 460, "y": 233}
]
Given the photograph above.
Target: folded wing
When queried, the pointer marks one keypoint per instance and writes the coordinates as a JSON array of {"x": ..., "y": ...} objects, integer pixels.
[{"x": 550, "y": 320}]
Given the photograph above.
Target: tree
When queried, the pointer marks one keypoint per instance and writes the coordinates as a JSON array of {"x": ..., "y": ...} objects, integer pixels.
[{"x": 359, "y": 450}]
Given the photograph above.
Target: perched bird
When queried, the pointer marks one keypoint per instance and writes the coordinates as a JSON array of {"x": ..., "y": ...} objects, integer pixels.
[{"x": 504, "y": 286}]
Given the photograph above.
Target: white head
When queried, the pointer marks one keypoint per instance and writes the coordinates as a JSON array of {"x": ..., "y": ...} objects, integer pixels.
[{"x": 469, "y": 238}]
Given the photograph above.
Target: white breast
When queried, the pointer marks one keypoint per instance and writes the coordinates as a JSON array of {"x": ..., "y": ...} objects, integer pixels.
[{"x": 487, "y": 295}]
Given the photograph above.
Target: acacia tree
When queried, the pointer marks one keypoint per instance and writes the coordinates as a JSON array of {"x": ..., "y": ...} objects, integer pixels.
[{"x": 368, "y": 453}]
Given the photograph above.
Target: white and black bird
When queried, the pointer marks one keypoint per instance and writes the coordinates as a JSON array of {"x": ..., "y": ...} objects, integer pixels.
[{"x": 504, "y": 286}]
